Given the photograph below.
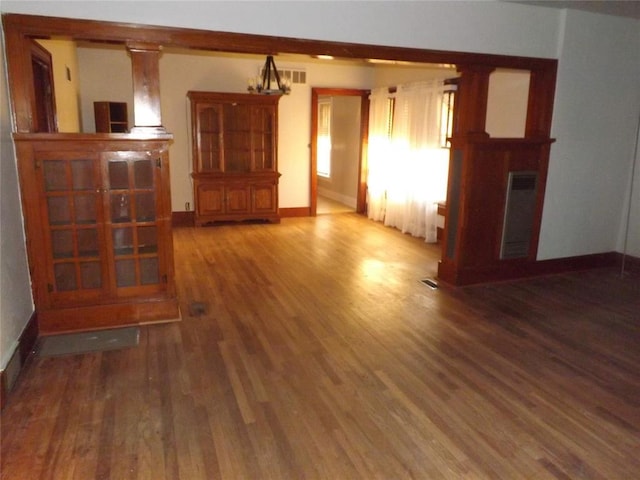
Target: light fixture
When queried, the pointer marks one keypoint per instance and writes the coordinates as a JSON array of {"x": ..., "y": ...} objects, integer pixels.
[{"x": 263, "y": 83}]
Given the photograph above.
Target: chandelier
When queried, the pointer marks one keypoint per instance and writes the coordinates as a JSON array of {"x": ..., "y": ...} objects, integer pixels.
[{"x": 262, "y": 84}]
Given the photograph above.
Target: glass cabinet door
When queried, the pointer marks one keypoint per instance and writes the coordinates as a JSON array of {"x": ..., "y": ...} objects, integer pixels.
[
  {"x": 132, "y": 179},
  {"x": 209, "y": 138},
  {"x": 263, "y": 134},
  {"x": 72, "y": 220},
  {"x": 237, "y": 138}
]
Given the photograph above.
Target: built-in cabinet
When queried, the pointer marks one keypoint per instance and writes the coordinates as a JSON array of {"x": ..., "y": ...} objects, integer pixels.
[
  {"x": 234, "y": 144},
  {"x": 97, "y": 214}
]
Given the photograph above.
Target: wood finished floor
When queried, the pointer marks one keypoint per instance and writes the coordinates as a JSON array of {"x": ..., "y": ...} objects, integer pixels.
[{"x": 320, "y": 355}]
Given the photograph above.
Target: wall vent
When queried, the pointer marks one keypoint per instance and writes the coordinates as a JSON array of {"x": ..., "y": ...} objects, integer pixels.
[
  {"x": 295, "y": 75},
  {"x": 519, "y": 215}
]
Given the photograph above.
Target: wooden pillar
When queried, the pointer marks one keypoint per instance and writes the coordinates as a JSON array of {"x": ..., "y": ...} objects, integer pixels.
[
  {"x": 542, "y": 88},
  {"x": 471, "y": 101},
  {"x": 145, "y": 61},
  {"x": 469, "y": 125}
]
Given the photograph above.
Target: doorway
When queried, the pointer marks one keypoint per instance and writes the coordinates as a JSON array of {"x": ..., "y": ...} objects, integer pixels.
[
  {"x": 337, "y": 168},
  {"x": 45, "y": 107}
]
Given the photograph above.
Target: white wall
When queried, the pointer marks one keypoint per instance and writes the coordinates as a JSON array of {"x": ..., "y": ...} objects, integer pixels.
[
  {"x": 507, "y": 103},
  {"x": 105, "y": 76},
  {"x": 594, "y": 122},
  {"x": 394, "y": 75},
  {"x": 630, "y": 225},
  {"x": 16, "y": 304}
]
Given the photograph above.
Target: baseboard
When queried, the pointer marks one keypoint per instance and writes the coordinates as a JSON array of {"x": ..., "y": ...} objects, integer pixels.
[
  {"x": 295, "y": 212},
  {"x": 187, "y": 219},
  {"x": 183, "y": 219},
  {"x": 631, "y": 263},
  {"x": 518, "y": 269},
  {"x": 26, "y": 344}
]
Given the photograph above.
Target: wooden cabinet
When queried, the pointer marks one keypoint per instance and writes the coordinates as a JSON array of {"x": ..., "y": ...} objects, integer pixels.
[
  {"x": 111, "y": 117},
  {"x": 234, "y": 143},
  {"x": 97, "y": 213}
]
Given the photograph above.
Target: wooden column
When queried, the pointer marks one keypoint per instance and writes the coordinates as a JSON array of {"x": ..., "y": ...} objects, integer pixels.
[
  {"x": 542, "y": 88},
  {"x": 471, "y": 101},
  {"x": 145, "y": 60},
  {"x": 469, "y": 124}
]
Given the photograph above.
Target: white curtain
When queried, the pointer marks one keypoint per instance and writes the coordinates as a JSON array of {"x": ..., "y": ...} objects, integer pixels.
[
  {"x": 378, "y": 152},
  {"x": 408, "y": 170}
]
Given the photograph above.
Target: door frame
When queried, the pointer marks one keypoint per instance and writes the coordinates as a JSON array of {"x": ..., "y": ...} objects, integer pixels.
[
  {"x": 44, "y": 99},
  {"x": 361, "y": 202}
]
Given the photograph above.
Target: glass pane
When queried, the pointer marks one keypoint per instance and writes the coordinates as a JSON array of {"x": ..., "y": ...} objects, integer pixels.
[
  {"x": 123, "y": 241},
  {"x": 62, "y": 243},
  {"x": 87, "y": 242},
  {"x": 143, "y": 174},
  {"x": 145, "y": 207},
  {"x": 65, "y": 274},
  {"x": 209, "y": 151},
  {"x": 125, "y": 273},
  {"x": 85, "y": 208},
  {"x": 147, "y": 239},
  {"x": 120, "y": 208},
  {"x": 55, "y": 177},
  {"x": 58, "y": 209},
  {"x": 237, "y": 160},
  {"x": 118, "y": 175},
  {"x": 90, "y": 275},
  {"x": 149, "y": 271},
  {"x": 82, "y": 174}
]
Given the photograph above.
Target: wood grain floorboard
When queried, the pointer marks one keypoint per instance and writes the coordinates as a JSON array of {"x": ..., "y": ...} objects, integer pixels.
[{"x": 317, "y": 353}]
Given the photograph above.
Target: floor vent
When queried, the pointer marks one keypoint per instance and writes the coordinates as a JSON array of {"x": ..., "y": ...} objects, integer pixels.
[
  {"x": 87, "y": 342},
  {"x": 430, "y": 283},
  {"x": 197, "y": 309}
]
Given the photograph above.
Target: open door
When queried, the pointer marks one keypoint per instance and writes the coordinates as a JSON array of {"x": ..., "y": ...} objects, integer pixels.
[
  {"x": 316, "y": 94},
  {"x": 44, "y": 108}
]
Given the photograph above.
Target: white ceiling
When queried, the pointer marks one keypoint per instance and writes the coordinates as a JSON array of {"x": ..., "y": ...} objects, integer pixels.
[{"x": 624, "y": 8}]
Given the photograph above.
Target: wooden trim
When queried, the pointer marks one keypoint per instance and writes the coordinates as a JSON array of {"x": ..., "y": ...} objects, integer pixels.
[
  {"x": 183, "y": 219},
  {"x": 20, "y": 29},
  {"x": 363, "y": 165},
  {"x": 45, "y": 27},
  {"x": 313, "y": 160},
  {"x": 26, "y": 344},
  {"x": 74, "y": 319},
  {"x": 518, "y": 269},
  {"x": 295, "y": 212}
]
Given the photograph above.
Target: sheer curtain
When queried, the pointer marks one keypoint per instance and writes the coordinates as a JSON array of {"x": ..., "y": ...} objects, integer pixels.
[
  {"x": 409, "y": 169},
  {"x": 378, "y": 152}
]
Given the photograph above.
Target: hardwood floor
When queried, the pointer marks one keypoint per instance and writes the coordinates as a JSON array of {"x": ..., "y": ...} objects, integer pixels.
[
  {"x": 326, "y": 205},
  {"x": 313, "y": 351}
]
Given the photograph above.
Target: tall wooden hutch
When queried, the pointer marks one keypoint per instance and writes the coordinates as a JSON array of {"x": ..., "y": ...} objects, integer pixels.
[{"x": 234, "y": 142}]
